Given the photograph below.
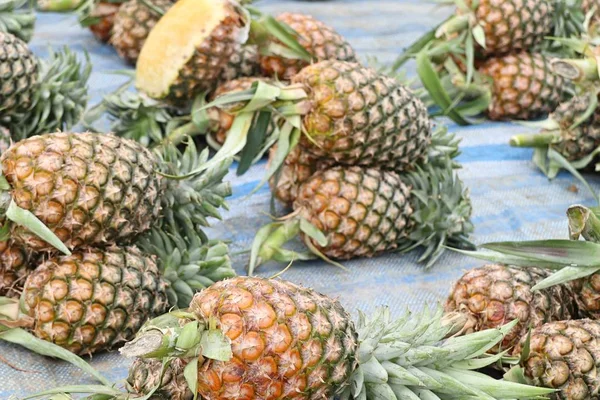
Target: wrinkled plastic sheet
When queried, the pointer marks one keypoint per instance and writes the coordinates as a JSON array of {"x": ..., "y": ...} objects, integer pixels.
[{"x": 511, "y": 199}]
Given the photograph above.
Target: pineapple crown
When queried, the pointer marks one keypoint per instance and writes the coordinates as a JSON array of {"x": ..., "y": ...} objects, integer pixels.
[
  {"x": 554, "y": 131},
  {"x": 196, "y": 190},
  {"x": 418, "y": 356},
  {"x": 571, "y": 259},
  {"x": 60, "y": 99},
  {"x": 135, "y": 116},
  {"x": 190, "y": 263},
  {"x": 15, "y": 20}
]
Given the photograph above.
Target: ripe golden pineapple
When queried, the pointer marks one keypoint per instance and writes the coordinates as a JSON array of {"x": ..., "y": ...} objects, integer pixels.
[
  {"x": 320, "y": 40},
  {"x": 361, "y": 212},
  {"x": 496, "y": 294},
  {"x": 564, "y": 355},
  {"x": 97, "y": 189},
  {"x": 254, "y": 338},
  {"x": 99, "y": 298},
  {"x": 20, "y": 75},
  {"x": 204, "y": 34},
  {"x": 132, "y": 25},
  {"x": 567, "y": 131},
  {"x": 104, "y": 13},
  {"x": 14, "y": 268},
  {"x": 522, "y": 86}
]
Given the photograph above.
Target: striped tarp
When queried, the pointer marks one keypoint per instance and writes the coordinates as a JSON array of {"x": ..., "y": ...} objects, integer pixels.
[{"x": 511, "y": 199}]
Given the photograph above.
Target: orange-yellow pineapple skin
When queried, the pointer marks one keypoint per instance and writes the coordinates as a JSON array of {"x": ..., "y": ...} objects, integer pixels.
[
  {"x": 320, "y": 40},
  {"x": 288, "y": 342},
  {"x": 523, "y": 86},
  {"x": 89, "y": 189},
  {"x": 94, "y": 299},
  {"x": 513, "y": 25},
  {"x": 361, "y": 211}
]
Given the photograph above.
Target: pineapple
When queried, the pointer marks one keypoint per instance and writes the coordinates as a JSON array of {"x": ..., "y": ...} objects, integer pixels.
[
  {"x": 101, "y": 297},
  {"x": 14, "y": 268},
  {"x": 5, "y": 139},
  {"x": 241, "y": 64},
  {"x": 345, "y": 111},
  {"x": 495, "y": 294},
  {"x": 146, "y": 374},
  {"x": 96, "y": 189},
  {"x": 361, "y": 212},
  {"x": 20, "y": 77},
  {"x": 103, "y": 16},
  {"x": 563, "y": 355},
  {"x": 572, "y": 130},
  {"x": 132, "y": 25},
  {"x": 320, "y": 40},
  {"x": 271, "y": 339},
  {"x": 522, "y": 86},
  {"x": 194, "y": 45}
]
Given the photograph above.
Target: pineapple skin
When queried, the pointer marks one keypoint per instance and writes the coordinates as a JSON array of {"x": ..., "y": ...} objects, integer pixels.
[
  {"x": 94, "y": 299},
  {"x": 242, "y": 63},
  {"x": 513, "y": 25},
  {"x": 297, "y": 168},
  {"x": 89, "y": 189},
  {"x": 361, "y": 211},
  {"x": 106, "y": 12},
  {"x": 563, "y": 356},
  {"x": 523, "y": 86},
  {"x": 14, "y": 268},
  {"x": 145, "y": 375},
  {"x": 20, "y": 75},
  {"x": 577, "y": 143},
  {"x": 495, "y": 294},
  {"x": 5, "y": 139},
  {"x": 132, "y": 25},
  {"x": 320, "y": 40},
  {"x": 288, "y": 342},
  {"x": 211, "y": 58},
  {"x": 359, "y": 117}
]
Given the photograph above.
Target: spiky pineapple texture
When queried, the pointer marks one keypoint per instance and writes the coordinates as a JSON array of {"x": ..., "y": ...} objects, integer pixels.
[
  {"x": 94, "y": 299},
  {"x": 15, "y": 266},
  {"x": 563, "y": 355},
  {"x": 523, "y": 86},
  {"x": 147, "y": 374},
  {"x": 20, "y": 80},
  {"x": 512, "y": 25},
  {"x": 494, "y": 294},
  {"x": 87, "y": 188},
  {"x": 319, "y": 39},
  {"x": 358, "y": 117},
  {"x": 101, "y": 19},
  {"x": 59, "y": 100},
  {"x": 132, "y": 24},
  {"x": 242, "y": 63}
]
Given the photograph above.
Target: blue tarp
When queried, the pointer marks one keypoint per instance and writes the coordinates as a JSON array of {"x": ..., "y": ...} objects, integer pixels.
[{"x": 511, "y": 199}]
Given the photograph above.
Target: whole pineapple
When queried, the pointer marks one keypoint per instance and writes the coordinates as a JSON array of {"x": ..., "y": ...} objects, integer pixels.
[
  {"x": 132, "y": 25},
  {"x": 272, "y": 339},
  {"x": 496, "y": 294},
  {"x": 20, "y": 74},
  {"x": 14, "y": 268},
  {"x": 99, "y": 298},
  {"x": 320, "y": 40},
  {"x": 361, "y": 212},
  {"x": 567, "y": 131},
  {"x": 522, "y": 86},
  {"x": 564, "y": 355}
]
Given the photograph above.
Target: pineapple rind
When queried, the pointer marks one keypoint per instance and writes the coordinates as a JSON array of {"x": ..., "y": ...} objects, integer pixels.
[{"x": 20, "y": 79}]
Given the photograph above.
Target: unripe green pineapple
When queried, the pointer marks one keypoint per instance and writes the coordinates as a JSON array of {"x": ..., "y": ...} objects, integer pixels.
[
  {"x": 320, "y": 40},
  {"x": 20, "y": 74},
  {"x": 145, "y": 375},
  {"x": 97, "y": 189},
  {"x": 494, "y": 294},
  {"x": 132, "y": 25},
  {"x": 260, "y": 339}
]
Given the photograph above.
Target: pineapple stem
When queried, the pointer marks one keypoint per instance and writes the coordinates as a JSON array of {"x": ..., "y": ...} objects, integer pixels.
[
  {"x": 283, "y": 234},
  {"x": 536, "y": 140},
  {"x": 583, "y": 222},
  {"x": 455, "y": 24},
  {"x": 576, "y": 70},
  {"x": 178, "y": 135}
]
